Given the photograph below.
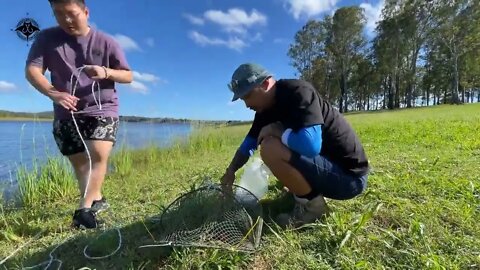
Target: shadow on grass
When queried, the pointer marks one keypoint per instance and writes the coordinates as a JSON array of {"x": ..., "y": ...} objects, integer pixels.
[
  {"x": 98, "y": 244},
  {"x": 130, "y": 255}
]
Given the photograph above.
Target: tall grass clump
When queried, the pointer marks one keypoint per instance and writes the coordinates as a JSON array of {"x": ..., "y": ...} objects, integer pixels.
[
  {"x": 122, "y": 161},
  {"x": 45, "y": 184}
]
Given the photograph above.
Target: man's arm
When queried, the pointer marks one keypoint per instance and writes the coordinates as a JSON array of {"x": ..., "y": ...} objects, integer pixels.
[
  {"x": 239, "y": 159},
  {"x": 119, "y": 69},
  {"x": 35, "y": 68},
  {"x": 243, "y": 153},
  {"x": 120, "y": 75},
  {"x": 101, "y": 73},
  {"x": 307, "y": 141},
  {"x": 303, "y": 133},
  {"x": 35, "y": 75}
]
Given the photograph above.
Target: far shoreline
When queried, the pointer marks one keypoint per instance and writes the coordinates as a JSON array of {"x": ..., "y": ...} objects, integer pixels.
[
  {"x": 138, "y": 120},
  {"x": 11, "y": 119}
]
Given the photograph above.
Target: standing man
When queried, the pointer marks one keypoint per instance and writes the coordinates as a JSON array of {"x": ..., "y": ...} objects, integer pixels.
[
  {"x": 84, "y": 64},
  {"x": 306, "y": 143}
]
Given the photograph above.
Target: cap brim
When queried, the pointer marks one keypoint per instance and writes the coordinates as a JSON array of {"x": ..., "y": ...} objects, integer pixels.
[
  {"x": 249, "y": 88},
  {"x": 241, "y": 94}
]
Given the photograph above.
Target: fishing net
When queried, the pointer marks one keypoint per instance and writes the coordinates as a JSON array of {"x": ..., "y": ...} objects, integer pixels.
[{"x": 210, "y": 217}]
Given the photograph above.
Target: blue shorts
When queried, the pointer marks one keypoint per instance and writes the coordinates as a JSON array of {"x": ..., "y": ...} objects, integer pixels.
[{"x": 327, "y": 178}]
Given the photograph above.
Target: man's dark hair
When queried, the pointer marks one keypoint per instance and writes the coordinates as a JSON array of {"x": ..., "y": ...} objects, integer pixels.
[{"x": 81, "y": 3}]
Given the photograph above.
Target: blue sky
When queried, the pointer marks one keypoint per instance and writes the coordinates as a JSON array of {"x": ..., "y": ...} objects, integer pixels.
[{"x": 182, "y": 52}]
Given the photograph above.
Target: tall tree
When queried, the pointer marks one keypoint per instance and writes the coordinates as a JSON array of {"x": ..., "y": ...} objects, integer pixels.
[
  {"x": 365, "y": 82},
  {"x": 452, "y": 28},
  {"x": 346, "y": 42},
  {"x": 428, "y": 48},
  {"x": 415, "y": 26},
  {"x": 324, "y": 78},
  {"x": 309, "y": 45},
  {"x": 438, "y": 71},
  {"x": 471, "y": 72},
  {"x": 389, "y": 50}
]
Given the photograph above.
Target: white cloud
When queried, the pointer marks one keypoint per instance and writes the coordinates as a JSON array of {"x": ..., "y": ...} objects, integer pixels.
[
  {"x": 138, "y": 87},
  {"x": 234, "y": 43},
  {"x": 309, "y": 8},
  {"x": 257, "y": 37},
  {"x": 150, "y": 42},
  {"x": 146, "y": 77},
  {"x": 236, "y": 20},
  {"x": 126, "y": 42},
  {"x": 373, "y": 14},
  {"x": 7, "y": 86},
  {"x": 139, "y": 78},
  {"x": 193, "y": 19}
]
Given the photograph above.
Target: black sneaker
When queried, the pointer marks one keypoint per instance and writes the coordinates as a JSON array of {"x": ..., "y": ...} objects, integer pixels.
[
  {"x": 85, "y": 218},
  {"x": 100, "y": 205}
]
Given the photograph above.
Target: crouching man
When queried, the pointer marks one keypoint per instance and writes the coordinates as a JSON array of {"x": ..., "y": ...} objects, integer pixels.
[{"x": 306, "y": 143}]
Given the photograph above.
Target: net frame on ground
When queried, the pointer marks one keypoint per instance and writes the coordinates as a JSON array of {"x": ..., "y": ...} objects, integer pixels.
[{"x": 211, "y": 217}]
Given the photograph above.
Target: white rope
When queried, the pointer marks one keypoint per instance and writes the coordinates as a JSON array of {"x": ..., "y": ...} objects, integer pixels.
[
  {"x": 52, "y": 259},
  {"x": 99, "y": 105},
  {"x": 106, "y": 256},
  {"x": 60, "y": 262},
  {"x": 18, "y": 249}
]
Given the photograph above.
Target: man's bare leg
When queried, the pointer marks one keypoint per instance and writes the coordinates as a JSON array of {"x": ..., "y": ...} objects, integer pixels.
[{"x": 99, "y": 152}]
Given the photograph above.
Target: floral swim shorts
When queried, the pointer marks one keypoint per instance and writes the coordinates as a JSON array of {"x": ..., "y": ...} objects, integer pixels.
[{"x": 92, "y": 128}]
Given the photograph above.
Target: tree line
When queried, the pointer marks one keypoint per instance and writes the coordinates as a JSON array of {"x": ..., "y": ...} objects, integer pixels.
[{"x": 422, "y": 53}]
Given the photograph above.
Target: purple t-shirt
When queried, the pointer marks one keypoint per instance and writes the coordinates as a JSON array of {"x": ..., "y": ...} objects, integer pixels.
[{"x": 62, "y": 54}]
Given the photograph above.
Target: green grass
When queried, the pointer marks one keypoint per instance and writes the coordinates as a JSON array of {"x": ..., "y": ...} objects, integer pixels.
[
  {"x": 40, "y": 186},
  {"x": 420, "y": 211}
]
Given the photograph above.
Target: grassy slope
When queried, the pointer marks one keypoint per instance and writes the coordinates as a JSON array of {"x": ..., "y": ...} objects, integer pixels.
[{"x": 420, "y": 211}]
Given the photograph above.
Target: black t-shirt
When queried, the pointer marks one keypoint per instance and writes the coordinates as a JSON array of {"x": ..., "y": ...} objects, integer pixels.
[{"x": 298, "y": 105}]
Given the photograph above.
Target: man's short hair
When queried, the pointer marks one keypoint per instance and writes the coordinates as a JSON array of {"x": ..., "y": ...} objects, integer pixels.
[{"x": 81, "y": 3}]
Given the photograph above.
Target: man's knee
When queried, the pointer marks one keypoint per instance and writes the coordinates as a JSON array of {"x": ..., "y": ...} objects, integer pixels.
[
  {"x": 272, "y": 149},
  {"x": 79, "y": 161},
  {"x": 99, "y": 151}
]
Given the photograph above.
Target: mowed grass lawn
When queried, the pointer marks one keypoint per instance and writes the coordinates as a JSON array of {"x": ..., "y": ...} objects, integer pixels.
[{"x": 420, "y": 211}]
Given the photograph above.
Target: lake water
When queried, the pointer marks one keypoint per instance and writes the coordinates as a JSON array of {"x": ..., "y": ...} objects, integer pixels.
[{"x": 26, "y": 142}]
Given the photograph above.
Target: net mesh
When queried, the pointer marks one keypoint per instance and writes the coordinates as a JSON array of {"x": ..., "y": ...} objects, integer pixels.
[{"x": 210, "y": 217}]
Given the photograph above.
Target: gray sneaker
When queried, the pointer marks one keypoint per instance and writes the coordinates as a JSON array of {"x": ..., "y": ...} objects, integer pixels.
[
  {"x": 304, "y": 212},
  {"x": 100, "y": 205}
]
